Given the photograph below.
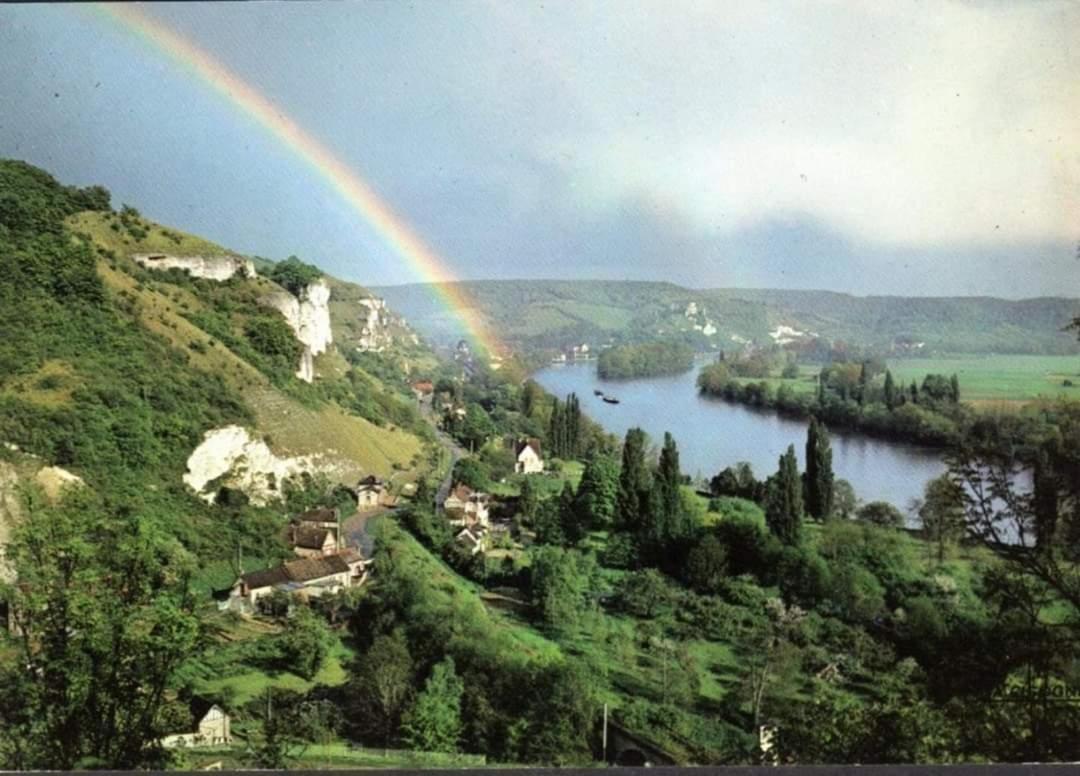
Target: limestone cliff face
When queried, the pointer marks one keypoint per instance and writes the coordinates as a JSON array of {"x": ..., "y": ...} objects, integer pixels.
[
  {"x": 309, "y": 318},
  {"x": 211, "y": 267},
  {"x": 232, "y": 456},
  {"x": 375, "y": 325}
]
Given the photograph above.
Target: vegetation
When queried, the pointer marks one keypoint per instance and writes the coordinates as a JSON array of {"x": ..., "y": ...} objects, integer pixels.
[
  {"x": 543, "y": 316},
  {"x": 645, "y": 360}
]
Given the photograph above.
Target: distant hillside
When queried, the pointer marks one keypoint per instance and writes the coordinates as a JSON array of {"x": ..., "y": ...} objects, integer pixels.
[{"x": 544, "y": 314}]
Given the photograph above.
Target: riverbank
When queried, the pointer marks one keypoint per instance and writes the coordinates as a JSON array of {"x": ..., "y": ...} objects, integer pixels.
[{"x": 713, "y": 433}]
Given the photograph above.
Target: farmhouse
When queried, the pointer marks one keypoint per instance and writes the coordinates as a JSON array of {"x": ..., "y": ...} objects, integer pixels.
[
  {"x": 309, "y": 577},
  {"x": 324, "y": 517},
  {"x": 423, "y": 390},
  {"x": 527, "y": 456},
  {"x": 211, "y": 727},
  {"x": 473, "y": 538},
  {"x": 312, "y": 541},
  {"x": 371, "y": 492},
  {"x": 467, "y": 507}
]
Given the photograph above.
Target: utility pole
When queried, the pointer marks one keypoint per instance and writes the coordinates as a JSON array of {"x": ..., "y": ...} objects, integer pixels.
[{"x": 605, "y": 732}]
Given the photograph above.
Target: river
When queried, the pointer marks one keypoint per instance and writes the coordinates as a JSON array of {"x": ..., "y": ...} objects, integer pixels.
[{"x": 712, "y": 433}]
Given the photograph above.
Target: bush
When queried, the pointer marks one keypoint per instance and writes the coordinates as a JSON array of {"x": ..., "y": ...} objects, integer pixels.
[{"x": 880, "y": 513}]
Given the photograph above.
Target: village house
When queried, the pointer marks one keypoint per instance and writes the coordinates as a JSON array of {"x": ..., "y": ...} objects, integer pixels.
[
  {"x": 371, "y": 493},
  {"x": 467, "y": 507},
  {"x": 315, "y": 533},
  {"x": 307, "y": 577},
  {"x": 423, "y": 390},
  {"x": 211, "y": 727},
  {"x": 527, "y": 456},
  {"x": 473, "y": 538},
  {"x": 312, "y": 541},
  {"x": 324, "y": 517}
]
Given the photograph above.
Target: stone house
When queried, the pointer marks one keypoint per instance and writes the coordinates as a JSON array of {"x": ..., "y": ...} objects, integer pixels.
[
  {"x": 527, "y": 456},
  {"x": 371, "y": 492},
  {"x": 307, "y": 577},
  {"x": 212, "y": 727},
  {"x": 466, "y": 507},
  {"x": 473, "y": 538},
  {"x": 312, "y": 541}
]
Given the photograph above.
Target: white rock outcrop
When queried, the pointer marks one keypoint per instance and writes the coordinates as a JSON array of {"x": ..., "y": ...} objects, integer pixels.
[
  {"x": 309, "y": 318},
  {"x": 231, "y": 456},
  {"x": 375, "y": 329},
  {"x": 210, "y": 267},
  {"x": 53, "y": 480}
]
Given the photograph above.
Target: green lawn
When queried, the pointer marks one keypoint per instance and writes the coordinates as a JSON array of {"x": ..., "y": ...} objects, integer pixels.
[
  {"x": 250, "y": 682},
  {"x": 1002, "y": 378},
  {"x": 1011, "y": 377},
  {"x": 339, "y": 754}
]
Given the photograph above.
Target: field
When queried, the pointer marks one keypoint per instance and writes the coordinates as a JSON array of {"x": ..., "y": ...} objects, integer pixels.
[
  {"x": 989, "y": 381},
  {"x": 999, "y": 378}
]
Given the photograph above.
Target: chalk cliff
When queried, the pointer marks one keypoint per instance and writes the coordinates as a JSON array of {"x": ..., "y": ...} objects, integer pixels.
[
  {"x": 309, "y": 318},
  {"x": 210, "y": 267}
]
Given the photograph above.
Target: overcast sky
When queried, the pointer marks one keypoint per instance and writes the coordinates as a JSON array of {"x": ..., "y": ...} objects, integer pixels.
[{"x": 892, "y": 147}]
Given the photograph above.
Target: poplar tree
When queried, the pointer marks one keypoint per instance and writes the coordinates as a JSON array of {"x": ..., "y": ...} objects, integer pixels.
[
  {"x": 954, "y": 389},
  {"x": 555, "y": 429},
  {"x": 633, "y": 481},
  {"x": 668, "y": 479},
  {"x": 1045, "y": 501},
  {"x": 819, "y": 472},
  {"x": 783, "y": 499},
  {"x": 890, "y": 390},
  {"x": 598, "y": 491}
]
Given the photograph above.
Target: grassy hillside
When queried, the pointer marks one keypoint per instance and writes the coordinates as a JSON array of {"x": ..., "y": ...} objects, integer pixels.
[
  {"x": 115, "y": 372},
  {"x": 538, "y": 314}
]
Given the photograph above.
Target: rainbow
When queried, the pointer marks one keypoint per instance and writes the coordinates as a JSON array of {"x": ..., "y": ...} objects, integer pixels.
[{"x": 358, "y": 194}]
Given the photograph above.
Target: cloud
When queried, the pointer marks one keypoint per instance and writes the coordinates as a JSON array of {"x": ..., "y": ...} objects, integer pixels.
[{"x": 957, "y": 125}]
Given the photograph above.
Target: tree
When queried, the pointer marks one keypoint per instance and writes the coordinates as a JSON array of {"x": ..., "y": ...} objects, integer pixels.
[
  {"x": 529, "y": 501},
  {"x": 477, "y": 427},
  {"x": 633, "y": 482},
  {"x": 772, "y": 660},
  {"x": 288, "y": 725},
  {"x": 707, "y": 565},
  {"x": 783, "y": 499},
  {"x": 573, "y": 527},
  {"x": 954, "y": 389},
  {"x": 472, "y": 472},
  {"x": 559, "y": 581},
  {"x": 646, "y": 593},
  {"x": 881, "y": 513},
  {"x": 890, "y": 390},
  {"x": 382, "y": 684},
  {"x": 294, "y": 274},
  {"x": 819, "y": 472},
  {"x": 305, "y": 643},
  {"x": 1044, "y": 500},
  {"x": 669, "y": 480},
  {"x": 844, "y": 500},
  {"x": 941, "y": 513},
  {"x": 597, "y": 494},
  {"x": 104, "y": 616},
  {"x": 433, "y": 724}
]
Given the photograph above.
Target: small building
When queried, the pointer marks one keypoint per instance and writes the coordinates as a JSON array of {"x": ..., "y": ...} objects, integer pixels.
[
  {"x": 473, "y": 538},
  {"x": 312, "y": 541},
  {"x": 423, "y": 390},
  {"x": 324, "y": 517},
  {"x": 212, "y": 727},
  {"x": 466, "y": 507},
  {"x": 527, "y": 456},
  {"x": 370, "y": 492},
  {"x": 310, "y": 577}
]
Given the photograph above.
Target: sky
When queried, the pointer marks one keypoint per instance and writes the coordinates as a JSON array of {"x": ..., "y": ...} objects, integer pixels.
[{"x": 923, "y": 148}]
